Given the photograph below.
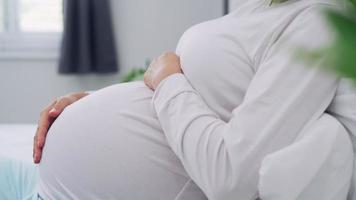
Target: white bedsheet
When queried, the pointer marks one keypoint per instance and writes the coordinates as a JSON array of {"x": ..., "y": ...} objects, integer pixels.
[{"x": 16, "y": 141}]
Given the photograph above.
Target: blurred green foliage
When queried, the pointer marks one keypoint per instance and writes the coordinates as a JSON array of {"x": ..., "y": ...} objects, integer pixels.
[
  {"x": 341, "y": 55},
  {"x": 137, "y": 73},
  {"x": 134, "y": 75}
]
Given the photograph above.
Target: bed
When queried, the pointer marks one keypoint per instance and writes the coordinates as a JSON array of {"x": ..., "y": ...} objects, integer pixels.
[{"x": 16, "y": 141}]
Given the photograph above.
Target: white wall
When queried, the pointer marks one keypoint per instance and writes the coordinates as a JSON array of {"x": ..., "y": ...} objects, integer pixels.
[{"x": 144, "y": 30}]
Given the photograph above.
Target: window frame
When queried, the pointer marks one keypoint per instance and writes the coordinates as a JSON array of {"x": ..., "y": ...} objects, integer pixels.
[{"x": 15, "y": 44}]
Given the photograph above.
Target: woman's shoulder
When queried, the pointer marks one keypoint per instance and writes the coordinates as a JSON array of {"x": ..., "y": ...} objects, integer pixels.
[
  {"x": 291, "y": 25},
  {"x": 301, "y": 20}
]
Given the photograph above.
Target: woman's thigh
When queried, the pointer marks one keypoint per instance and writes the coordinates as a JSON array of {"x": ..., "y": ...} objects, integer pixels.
[
  {"x": 109, "y": 145},
  {"x": 318, "y": 165},
  {"x": 18, "y": 180}
]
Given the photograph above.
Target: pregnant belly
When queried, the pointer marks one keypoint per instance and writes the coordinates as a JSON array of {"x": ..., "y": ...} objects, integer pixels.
[{"x": 109, "y": 145}]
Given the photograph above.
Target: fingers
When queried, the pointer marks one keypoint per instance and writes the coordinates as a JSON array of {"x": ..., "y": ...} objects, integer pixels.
[
  {"x": 33, "y": 148},
  {"x": 147, "y": 78},
  {"x": 39, "y": 140},
  {"x": 165, "y": 65},
  {"x": 47, "y": 117},
  {"x": 59, "y": 106},
  {"x": 37, "y": 152},
  {"x": 42, "y": 130}
]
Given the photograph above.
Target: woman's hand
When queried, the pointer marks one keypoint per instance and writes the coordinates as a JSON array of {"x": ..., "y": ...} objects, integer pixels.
[
  {"x": 162, "y": 67},
  {"x": 47, "y": 117}
]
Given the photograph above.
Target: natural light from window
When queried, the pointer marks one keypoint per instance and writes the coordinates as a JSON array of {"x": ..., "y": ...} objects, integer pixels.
[
  {"x": 30, "y": 28},
  {"x": 40, "y": 15},
  {"x": 2, "y": 6}
]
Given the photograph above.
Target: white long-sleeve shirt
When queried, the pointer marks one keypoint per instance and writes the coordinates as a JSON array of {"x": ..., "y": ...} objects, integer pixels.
[{"x": 254, "y": 99}]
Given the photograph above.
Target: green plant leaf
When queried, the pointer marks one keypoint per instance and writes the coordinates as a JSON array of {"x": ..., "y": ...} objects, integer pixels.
[
  {"x": 342, "y": 54},
  {"x": 353, "y": 2},
  {"x": 344, "y": 25},
  {"x": 134, "y": 75}
]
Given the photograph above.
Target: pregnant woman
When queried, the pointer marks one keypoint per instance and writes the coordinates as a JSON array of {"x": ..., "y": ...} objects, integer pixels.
[{"x": 233, "y": 117}]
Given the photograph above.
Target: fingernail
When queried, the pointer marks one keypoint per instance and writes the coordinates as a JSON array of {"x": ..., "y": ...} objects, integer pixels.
[{"x": 52, "y": 110}]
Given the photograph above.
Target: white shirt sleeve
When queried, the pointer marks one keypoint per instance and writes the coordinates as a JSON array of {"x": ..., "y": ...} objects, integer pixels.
[{"x": 283, "y": 99}]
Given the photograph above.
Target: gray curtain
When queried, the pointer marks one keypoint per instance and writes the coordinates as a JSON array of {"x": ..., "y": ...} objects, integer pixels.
[
  {"x": 88, "y": 44},
  {"x": 226, "y": 7}
]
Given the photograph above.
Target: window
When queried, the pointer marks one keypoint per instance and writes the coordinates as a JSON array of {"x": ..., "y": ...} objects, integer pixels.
[
  {"x": 40, "y": 16},
  {"x": 1, "y": 15},
  {"x": 30, "y": 28}
]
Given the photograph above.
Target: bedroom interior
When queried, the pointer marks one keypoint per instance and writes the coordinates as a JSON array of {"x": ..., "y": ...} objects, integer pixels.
[
  {"x": 45, "y": 53},
  {"x": 29, "y": 75},
  {"x": 137, "y": 25}
]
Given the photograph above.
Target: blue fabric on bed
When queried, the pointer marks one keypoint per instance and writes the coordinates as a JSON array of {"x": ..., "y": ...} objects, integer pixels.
[{"x": 18, "y": 180}]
